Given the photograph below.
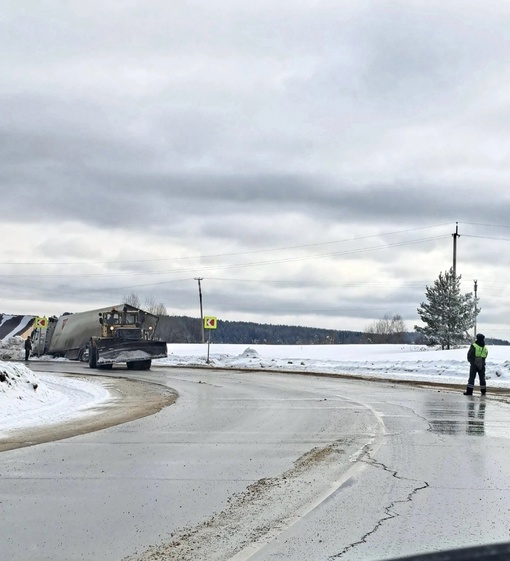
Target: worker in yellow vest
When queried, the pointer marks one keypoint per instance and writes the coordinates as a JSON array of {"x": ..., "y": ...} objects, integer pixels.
[{"x": 476, "y": 356}]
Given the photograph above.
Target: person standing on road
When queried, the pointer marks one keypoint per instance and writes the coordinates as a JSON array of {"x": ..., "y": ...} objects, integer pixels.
[
  {"x": 476, "y": 356},
  {"x": 28, "y": 347}
]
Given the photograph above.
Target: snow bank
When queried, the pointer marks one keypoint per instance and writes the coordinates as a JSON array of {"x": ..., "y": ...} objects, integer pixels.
[
  {"x": 399, "y": 362},
  {"x": 28, "y": 399},
  {"x": 12, "y": 348}
]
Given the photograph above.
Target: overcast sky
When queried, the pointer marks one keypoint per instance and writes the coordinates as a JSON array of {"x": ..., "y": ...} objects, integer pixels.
[{"x": 309, "y": 159}]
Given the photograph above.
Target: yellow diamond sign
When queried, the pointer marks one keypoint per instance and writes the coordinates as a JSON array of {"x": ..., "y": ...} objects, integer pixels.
[
  {"x": 210, "y": 322},
  {"x": 41, "y": 322}
]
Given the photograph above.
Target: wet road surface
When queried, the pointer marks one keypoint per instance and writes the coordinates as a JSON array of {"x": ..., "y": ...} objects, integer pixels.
[{"x": 267, "y": 466}]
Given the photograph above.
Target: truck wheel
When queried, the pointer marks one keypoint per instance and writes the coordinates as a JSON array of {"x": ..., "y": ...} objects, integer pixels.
[{"x": 92, "y": 357}]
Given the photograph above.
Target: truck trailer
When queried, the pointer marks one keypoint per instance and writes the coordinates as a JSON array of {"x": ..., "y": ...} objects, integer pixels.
[{"x": 102, "y": 337}]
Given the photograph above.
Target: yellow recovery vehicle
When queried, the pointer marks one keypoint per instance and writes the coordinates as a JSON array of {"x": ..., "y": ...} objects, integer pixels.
[{"x": 103, "y": 337}]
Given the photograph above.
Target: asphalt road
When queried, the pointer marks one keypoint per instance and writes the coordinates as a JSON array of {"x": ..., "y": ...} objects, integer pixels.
[{"x": 264, "y": 466}]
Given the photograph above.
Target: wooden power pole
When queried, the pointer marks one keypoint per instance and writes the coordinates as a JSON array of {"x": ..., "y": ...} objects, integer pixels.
[
  {"x": 201, "y": 308},
  {"x": 455, "y": 236},
  {"x": 476, "y": 292}
]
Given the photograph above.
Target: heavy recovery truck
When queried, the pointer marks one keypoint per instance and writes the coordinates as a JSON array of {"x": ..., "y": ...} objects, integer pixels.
[{"x": 102, "y": 337}]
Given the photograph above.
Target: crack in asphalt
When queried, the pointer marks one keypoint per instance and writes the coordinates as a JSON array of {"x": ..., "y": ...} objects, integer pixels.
[
  {"x": 416, "y": 414},
  {"x": 389, "y": 509}
]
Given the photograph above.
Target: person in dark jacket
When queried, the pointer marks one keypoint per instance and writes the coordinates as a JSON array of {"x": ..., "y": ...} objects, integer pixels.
[
  {"x": 28, "y": 347},
  {"x": 476, "y": 356}
]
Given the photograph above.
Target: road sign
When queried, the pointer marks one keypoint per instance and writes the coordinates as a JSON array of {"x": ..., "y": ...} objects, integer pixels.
[
  {"x": 210, "y": 322},
  {"x": 41, "y": 322}
]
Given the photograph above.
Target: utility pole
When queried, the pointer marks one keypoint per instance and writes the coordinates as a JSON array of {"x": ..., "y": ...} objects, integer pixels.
[
  {"x": 455, "y": 236},
  {"x": 201, "y": 308},
  {"x": 476, "y": 289}
]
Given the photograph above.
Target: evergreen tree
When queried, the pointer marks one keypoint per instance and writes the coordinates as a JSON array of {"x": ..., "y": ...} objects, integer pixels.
[{"x": 448, "y": 314}]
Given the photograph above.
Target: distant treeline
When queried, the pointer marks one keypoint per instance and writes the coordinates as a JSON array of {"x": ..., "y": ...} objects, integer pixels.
[{"x": 184, "y": 329}]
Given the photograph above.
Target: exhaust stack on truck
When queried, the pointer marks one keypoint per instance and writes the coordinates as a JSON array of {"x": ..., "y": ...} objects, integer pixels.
[{"x": 103, "y": 337}]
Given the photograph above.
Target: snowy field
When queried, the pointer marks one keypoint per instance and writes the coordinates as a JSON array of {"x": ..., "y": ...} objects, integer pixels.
[
  {"x": 399, "y": 362},
  {"x": 29, "y": 399}
]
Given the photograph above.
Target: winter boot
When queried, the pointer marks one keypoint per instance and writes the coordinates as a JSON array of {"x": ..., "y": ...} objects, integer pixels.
[{"x": 469, "y": 391}]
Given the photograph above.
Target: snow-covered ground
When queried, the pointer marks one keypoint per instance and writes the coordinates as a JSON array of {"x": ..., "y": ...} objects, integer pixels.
[
  {"x": 399, "y": 362},
  {"x": 27, "y": 399}
]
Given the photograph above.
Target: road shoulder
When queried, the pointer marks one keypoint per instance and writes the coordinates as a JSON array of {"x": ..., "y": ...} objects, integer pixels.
[{"x": 131, "y": 399}]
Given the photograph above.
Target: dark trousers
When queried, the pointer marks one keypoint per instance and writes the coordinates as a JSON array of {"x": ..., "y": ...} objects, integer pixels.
[
  {"x": 27, "y": 353},
  {"x": 473, "y": 371}
]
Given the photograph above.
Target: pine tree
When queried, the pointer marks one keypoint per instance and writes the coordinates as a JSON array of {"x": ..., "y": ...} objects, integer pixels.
[{"x": 448, "y": 314}]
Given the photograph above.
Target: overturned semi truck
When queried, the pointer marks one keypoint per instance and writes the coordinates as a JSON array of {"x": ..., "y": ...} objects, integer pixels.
[{"x": 103, "y": 337}]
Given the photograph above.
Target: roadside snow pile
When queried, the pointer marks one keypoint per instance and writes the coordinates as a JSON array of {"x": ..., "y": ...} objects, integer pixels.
[
  {"x": 16, "y": 381},
  {"x": 29, "y": 400},
  {"x": 249, "y": 353},
  {"x": 501, "y": 370},
  {"x": 21, "y": 392},
  {"x": 12, "y": 349}
]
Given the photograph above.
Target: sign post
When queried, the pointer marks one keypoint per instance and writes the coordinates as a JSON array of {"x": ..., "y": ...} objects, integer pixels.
[
  {"x": 210, "y": 322},
  {"x": 39, "y": 331}
]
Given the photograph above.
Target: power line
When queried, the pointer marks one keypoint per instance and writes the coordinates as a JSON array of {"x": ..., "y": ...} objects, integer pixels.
[
  {"x": 224, "y": 254},
  {"x": 486, "y": 225},
  {"x": 486, "y": 237},
  {"x": 313, "y": 283},
  {"x": 234, "y": 266}
]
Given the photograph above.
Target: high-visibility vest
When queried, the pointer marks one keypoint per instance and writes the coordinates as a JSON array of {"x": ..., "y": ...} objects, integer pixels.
[{"x": 480, "y": 352}]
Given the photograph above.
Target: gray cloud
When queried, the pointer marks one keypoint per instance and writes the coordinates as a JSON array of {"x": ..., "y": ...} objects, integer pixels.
[{"x": 210, "y": 135}]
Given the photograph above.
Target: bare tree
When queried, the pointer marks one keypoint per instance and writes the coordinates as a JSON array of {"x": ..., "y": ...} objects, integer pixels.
[
  {"x": 160, "y": 310},
  {"x": 389, "y": 329},
  {"x": 149, "y": 305},
  {"x": 152, "y": 307},
  {"x": 132, "y": 299}
]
